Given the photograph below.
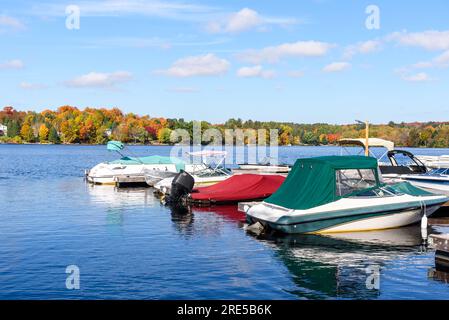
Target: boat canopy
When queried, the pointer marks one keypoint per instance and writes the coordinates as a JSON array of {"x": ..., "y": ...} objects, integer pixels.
[
  {"x": 316, "y": 181},
  {"x": 180, "y": 164},
  {"x": 115, "y": 146},
  {"x": 372, "y": 142}
]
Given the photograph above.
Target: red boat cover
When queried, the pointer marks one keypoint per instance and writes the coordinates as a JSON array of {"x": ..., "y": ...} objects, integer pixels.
[{"x": 239, "y": 188}]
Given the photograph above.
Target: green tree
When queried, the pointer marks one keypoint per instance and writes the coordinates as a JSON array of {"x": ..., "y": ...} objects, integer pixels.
[
  {"x": 53, "y": 136},
  {"x": 310, "y": 138},
  {"x": 163, "y": 135},
  {"x": 413, "y": 138},
  {"x": 13, "y": 129}
]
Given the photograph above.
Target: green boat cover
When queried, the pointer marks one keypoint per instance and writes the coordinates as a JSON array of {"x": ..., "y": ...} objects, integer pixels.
[
  {"x": 408, "y": 188},
  {"x": 180, "y": 164},
  {"x": 312, "y": 181}
]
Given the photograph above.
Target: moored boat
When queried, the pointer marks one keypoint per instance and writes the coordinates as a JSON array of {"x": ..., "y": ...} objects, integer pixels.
[
  {"x": 136, "y": 167},
  {"x": 245, "y": 187},
  {"x": 436, "y": 180},
  {"x": 341, "y": 194}
]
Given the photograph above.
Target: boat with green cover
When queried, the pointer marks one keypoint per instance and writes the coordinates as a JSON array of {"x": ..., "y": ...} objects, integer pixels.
[{"x": 341, "y": 194}]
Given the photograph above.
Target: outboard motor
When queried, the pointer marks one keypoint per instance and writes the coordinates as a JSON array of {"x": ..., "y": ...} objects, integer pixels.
[{"x": 181, "y": 186}]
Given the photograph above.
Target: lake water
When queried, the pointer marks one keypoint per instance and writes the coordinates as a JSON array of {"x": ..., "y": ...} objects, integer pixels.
[{"x": 129, "y": 246}]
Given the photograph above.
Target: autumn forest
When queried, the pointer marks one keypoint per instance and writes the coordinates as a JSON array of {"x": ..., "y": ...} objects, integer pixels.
[{"x": 69, "y": 124}]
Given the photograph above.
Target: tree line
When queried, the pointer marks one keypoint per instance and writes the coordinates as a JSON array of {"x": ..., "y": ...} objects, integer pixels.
[{"x": 68, "y": 124}]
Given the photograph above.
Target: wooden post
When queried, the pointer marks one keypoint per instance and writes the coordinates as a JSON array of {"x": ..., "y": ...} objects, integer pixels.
[{"x": 367, "y": 139}]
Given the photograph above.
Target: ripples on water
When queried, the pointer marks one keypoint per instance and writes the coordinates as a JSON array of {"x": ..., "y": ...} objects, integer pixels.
[{"x": 128, "y": 246}]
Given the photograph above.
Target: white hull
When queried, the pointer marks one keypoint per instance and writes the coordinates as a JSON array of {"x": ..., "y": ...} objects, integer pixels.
[
  {"x": 392, "y": 212},
  {"x": 381, "y": 223},
  {"x": 433, "y": 187},
  {"x": 435, "y": 162},
  {"x": 105, "y": 173},
  {"x": 438, "y": 185}
]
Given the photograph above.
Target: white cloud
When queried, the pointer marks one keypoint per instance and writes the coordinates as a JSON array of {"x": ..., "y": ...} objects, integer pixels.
[
  {"x": 423, "y": 64},
  {"x": 430, "y": 40},
  {"x": 419, "y": 77},
  {"x": 12, "y": 64},
  {"x": 154, "y": 42},
  {"x": 276, "y": 53},
  {"x": 32, "y": 86},
  {"x": 244, "y": 20},
  {"x": 336, "y": 67},
  {"x": 10, "y": 23},
  {"x": 255, "y": 72},
  {"x": 441, "y": 61},
  {"x": 296, "y": 74},
  {"x": 99, "y": 80},
  {"x": 184, "y": 89},
  {"x": 157, "y": 8},
  {"x": 362, "y": 48},
  {"x": 204, "y": 65}
]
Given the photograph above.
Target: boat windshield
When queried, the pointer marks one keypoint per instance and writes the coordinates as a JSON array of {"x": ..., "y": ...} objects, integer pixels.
[
  {"x": 384, "y": 191},
  {"x": 350, "y": 181},
  {"x": 441, "y": 171}
]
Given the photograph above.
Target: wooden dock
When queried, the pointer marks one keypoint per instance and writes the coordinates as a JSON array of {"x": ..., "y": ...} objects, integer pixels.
[
  {"x": 441, "y": 244},
  {"x": 129, "y": 180}
]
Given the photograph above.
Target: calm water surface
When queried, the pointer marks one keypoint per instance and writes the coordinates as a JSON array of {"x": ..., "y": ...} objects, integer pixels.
[{"x": 128, "y": 246}]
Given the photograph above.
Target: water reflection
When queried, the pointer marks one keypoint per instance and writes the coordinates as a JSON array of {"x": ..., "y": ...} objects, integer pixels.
[
  {"x": 226, "y": 212},
  {"x": 182, "y": 218},
  {"x": 204, "y": 221},
  {"x": 440, "y": 272},
  {"x": 335, "y": 266},
  {"x": 331, "y": 266},
  {"x": 112, "y": 197}
]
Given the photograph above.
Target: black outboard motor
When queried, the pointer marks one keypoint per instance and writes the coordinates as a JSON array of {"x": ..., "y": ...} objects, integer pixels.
[{"x": 181, "y": 186}]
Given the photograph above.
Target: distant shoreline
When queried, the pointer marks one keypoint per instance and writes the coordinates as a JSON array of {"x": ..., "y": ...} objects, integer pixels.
[{"x": 177, "y": 145}]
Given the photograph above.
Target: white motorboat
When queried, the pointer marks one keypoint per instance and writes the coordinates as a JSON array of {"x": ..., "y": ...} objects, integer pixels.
[
  {"x": 267, "y": 165},
  {"x": 208, "y": 170},
  {"x": 407, "y": 167},
  {"x": 435, "y": 162},
  {"x": 341, "y": 194},
  {"x": 436, "y": 180},
  {"x": 107, "y": 172},
  {"x": 400, "y": 165}
]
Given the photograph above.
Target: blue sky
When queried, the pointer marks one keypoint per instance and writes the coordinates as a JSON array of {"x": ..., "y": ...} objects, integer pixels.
[{"x": 301, "y": 61}]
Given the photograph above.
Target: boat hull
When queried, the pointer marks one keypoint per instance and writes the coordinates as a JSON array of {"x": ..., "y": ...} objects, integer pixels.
[
  {"x": 356, "y": 219},
  {"x": 437, "y": 185},
  {"x": 383, "y": 221},
  {"x": 153, "y": 177},
  {"x": 105, "y": 173},
  {"x": 433, "y": 185}
]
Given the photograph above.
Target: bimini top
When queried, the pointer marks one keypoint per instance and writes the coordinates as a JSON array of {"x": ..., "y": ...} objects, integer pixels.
[
  {"x": 372, "y": 142},
  {"x": 316, "y": 181},
  {"x": 180, "y": 164}
]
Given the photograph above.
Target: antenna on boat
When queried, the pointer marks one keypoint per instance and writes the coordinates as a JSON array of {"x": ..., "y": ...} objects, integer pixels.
[{"x": 366, "y": 123}]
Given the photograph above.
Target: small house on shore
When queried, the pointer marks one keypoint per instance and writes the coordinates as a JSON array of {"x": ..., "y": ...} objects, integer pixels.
[{"x": 3, "y": 130}]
